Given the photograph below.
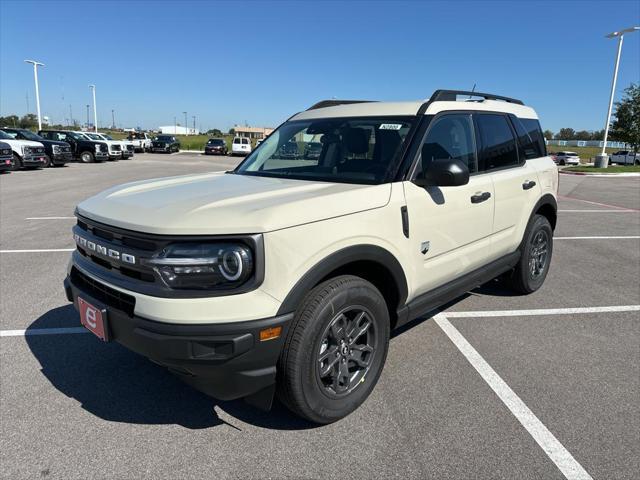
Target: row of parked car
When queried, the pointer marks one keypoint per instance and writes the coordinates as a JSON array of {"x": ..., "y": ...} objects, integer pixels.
[
  {"x": 22, "y": 148},
  {"x": 621, "y": 157}
]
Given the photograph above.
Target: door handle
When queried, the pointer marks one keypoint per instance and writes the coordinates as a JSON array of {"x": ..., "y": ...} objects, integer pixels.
[
  {"x": 480, "y": 197},
  {"x": 528, "y": 184}
]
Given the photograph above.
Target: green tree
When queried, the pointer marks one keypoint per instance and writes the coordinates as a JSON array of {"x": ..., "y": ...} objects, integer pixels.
[
  {"x": 29, "y": 121},
  {"x": 626, "y": 126},
  {"x": 566, "y": 134},
  {"x": 9, "y": 121},
  {"x": 232, "y": 131},
  {"x": 215, "y": 132},
  {"x": 597, "y": 135},
  {"x": 548, "y": 134},
  {"x": 582, "y": 135}
]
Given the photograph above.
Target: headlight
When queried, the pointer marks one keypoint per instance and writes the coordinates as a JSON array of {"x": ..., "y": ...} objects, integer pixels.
[
  {"x": 26, "y": 149},
  {"x": 202, "y": 266},
  {"x": 97, "y": 147},
  {"x": 56, "y": 148}
]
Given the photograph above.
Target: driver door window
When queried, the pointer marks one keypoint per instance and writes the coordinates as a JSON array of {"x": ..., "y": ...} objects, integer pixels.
[{"x": 449, "y": 137}]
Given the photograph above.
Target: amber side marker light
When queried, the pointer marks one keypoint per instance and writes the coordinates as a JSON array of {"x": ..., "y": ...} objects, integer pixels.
[{"x": 270, "y": 333}]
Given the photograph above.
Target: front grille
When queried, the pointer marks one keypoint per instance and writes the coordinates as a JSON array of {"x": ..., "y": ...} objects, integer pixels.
[
  {"x": 116, "y": 148},
  {"x": 107, "y": 295},
  {"x": 130, "y": 148},
  {"x": 65, "y": 149},
  {"x": 104, "y": 148}
]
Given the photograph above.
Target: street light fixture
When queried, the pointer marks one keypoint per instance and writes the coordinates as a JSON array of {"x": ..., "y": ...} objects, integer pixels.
[
  {"x": 35, "y": 76},
  {"x": 186, "y": 125},
  {"x": 602, "y": 160},
  {"x": 95, "y": 110}
]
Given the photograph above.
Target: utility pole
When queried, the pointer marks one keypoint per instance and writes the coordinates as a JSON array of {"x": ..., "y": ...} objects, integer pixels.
[
  {"x": 113, "y": 119},
  {"x": 35, "y": 76},
  {"x": 87, "y": 116},
  {"x": 175, "y": 126},
  {"x": 194, "y": 124},
  {"x": 95, "y": 110},
  {"x": 602, "y": 160},
  {"x": 186, "y": 125},
  {"x": 70, "y": 114}
]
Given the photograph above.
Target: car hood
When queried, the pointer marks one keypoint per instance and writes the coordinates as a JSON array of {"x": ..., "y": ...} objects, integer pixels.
[
  {"x": 219, "y": 203},
  {"x": 20, "y": 143}
]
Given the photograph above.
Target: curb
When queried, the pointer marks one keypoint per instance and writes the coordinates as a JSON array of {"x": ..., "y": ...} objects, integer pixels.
[{"x": 589, "y": 174}]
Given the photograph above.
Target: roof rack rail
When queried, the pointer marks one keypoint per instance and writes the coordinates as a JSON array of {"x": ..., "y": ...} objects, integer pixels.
[
  {"x": 333, "y": 103},
  {"x": 450, "y": 96}
]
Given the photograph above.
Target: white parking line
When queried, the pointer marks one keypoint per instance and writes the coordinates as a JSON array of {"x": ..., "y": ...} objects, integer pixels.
[
  {"x": 558, "y": 454},
  {"x": 564, "y": 197},
  {"x": 39, "y": 250},
  {"x": 50, "y": 218},
  {"x": 621, "y": 237},
  {"x": 42, "y": 331},
  {"x": 543, "y": 311},
  {"x": 598, "y": 211}
]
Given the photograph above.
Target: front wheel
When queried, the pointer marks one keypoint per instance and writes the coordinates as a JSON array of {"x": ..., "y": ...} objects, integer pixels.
[
  {"x": 533, "y": 266},
  {"x": 335, "y": 350},
  {"x": 87, "y": 157},
  {"x": 16, "y": 162},
  {"x": 47, "y": 162}
]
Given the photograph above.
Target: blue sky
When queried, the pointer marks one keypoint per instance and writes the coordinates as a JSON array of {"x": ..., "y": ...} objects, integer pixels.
[{"x": 260, "y": 62}]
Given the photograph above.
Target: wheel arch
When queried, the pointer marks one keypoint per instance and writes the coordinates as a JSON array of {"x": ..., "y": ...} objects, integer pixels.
[
  {"x": 370, "y": 262},
  {"x": 547, "y": 206}
]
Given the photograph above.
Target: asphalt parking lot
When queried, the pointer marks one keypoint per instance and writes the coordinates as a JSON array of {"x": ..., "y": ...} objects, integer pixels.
[{"x": 494, "y": 386}]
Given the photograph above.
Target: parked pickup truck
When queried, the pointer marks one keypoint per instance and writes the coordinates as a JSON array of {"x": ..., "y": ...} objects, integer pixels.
[
  {"x": 82, "y": 147},
  {"x": 25, "y": 153},
  {"x": 57, "y": 153},
  {"x": 115, "y": 148},
  {"x": 141, "y": 141},
  {"x": 625, "y": 157},
  {"x": 6, "y": 154}
]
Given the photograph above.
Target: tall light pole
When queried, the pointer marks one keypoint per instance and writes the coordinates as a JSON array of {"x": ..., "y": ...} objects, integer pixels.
[
  {"x": 602, "y": 160},
  {"x": 113, "y": 119},
  {"x": 175, "y": 125},
  {"x": 95, "y": 110},
  {"x": 194, "y": 124},
  {"x": 35, "y": 76},
  {"x": 186, "y": 125}
]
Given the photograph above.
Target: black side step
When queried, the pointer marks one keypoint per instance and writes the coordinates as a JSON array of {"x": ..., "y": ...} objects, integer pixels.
[{"x": 429, "y": 301}]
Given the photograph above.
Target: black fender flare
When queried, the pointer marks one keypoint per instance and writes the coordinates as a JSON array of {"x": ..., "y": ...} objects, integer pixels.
[
  {"x": 546, "y": 199},
  {"x": 340, "y": 258}
]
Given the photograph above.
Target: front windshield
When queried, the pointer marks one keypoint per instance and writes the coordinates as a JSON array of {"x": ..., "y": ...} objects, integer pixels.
[
  {"x": 352, "y": 150},
  {"x": 163, "y": 138},
  {"x": 216, "y": 141},
  {"x": 94, "y": 136},
  {"x": 29, "y": 135},
  {"x": 5, "y": 136},
  {"x": 77, "y": 136}
]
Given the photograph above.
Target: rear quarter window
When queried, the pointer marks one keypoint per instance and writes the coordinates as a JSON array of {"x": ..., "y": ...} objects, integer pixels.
[
  {"x": 530, "y": 138},
  {"x": 498, "y": 145}
]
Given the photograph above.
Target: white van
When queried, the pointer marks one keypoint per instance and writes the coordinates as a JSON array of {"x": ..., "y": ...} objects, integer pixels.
[{"x": 241, "y": 146}]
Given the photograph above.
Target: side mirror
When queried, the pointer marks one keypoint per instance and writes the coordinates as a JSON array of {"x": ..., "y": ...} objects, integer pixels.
[{"x": 444, "y": 172}]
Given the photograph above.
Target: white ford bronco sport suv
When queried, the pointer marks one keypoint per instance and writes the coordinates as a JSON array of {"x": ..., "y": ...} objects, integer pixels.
[{"x": 286, "y": 275}]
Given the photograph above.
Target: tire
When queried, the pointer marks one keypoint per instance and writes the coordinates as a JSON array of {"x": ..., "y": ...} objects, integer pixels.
[
  {"x": 319, "y": 338},
  {"x": 562, "y": 163},
  {"x": 16, "y": 163},
  {"x": 47, "y": 163},
  {"x": 87, "y": 157},
  {"x": 537, "y": 249}
]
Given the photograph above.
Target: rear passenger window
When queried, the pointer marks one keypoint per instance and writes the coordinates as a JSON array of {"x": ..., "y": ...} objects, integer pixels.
[
  {"x": 450, "y": 136},
  {"x": 497, "y": 141},
  {"x": 533, "y": 129}
]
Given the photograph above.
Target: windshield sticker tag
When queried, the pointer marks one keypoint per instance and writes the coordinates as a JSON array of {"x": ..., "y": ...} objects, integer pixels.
[{"x": 391, "y": 126}]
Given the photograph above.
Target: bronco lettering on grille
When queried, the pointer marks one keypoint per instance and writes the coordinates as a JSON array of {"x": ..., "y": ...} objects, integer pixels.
[{"x": 103, "y": 250}]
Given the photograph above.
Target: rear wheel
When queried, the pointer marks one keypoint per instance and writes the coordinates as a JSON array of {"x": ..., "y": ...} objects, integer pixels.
[
  {"x": 87, "y": 157},
  {"x": 335, "y": 350},
  {"x": 532, "y": 269},
  {"x": 16, "y": 162}
]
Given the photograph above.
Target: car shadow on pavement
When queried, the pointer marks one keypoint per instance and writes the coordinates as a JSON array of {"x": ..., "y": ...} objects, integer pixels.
[{"x": 118, "y": 385}]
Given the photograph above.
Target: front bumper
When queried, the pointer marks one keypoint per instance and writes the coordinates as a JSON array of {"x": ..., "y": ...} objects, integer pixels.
[
  {"x": 224, "y": 360},
  {"x": 61, "y": 158},
  {"x": 33, "y": 161},
  {"x": 5, "y": 163}
]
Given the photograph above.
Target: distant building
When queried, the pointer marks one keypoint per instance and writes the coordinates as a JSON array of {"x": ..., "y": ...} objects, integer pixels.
[
  {"x": 253, "y": 132},
  {"x": 178, "y": 130},
  {"x": 586, "y": 143}
]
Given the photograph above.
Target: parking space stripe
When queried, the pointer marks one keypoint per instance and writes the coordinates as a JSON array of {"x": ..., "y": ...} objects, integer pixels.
[
  {"x": 564, "y": 197},
  {"x": 39, "y": 250},
  {"x": 558, "y": 454},
  {"x": 42, "y": 331},
  {"x": 543, "y": 311},
  {"x": 602, "y": 210},
  {"x": 620, "y": 237}
]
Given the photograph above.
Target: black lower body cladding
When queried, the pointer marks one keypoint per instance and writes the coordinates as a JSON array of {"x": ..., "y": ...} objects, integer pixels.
[{"x": 224, "y": 360}]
